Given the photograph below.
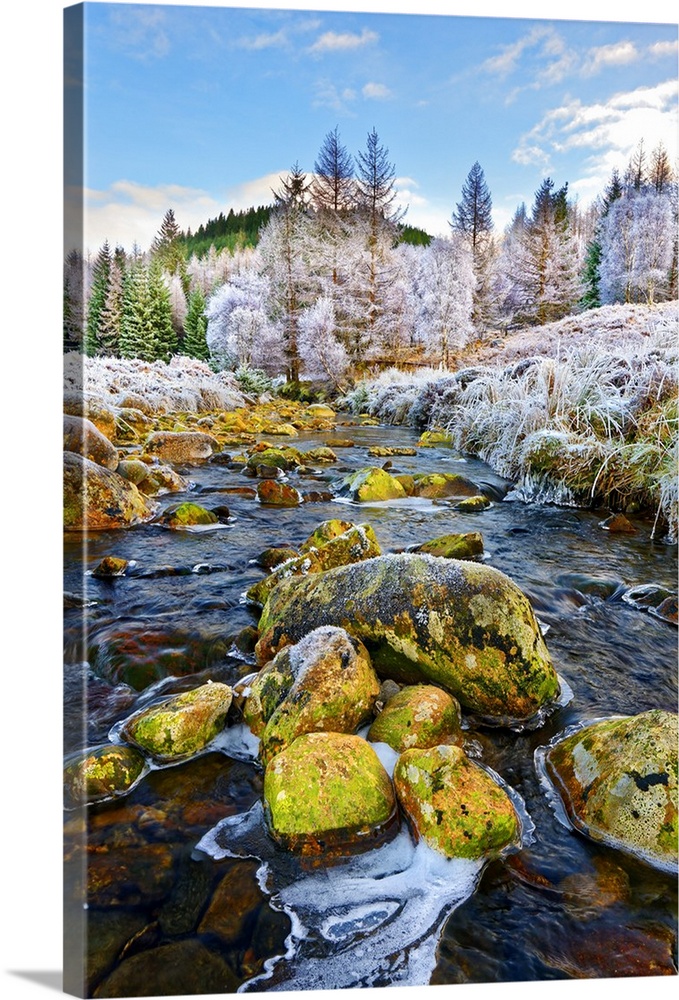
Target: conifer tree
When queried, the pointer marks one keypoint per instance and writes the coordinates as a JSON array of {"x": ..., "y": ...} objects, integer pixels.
[
  {"x": 101, "y": 275},
  {"x": 161, "y": 314},
  {"x": 473, "y": 220},
  {"x": 332, "y": 187},
  {"x": 169, "y": 249},
  {"x": 111, "y": 318},
  {"x": 195, "y": 327}
]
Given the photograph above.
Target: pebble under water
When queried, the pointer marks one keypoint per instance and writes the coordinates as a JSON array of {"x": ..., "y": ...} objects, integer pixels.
[{"x": 186, "y": 893}]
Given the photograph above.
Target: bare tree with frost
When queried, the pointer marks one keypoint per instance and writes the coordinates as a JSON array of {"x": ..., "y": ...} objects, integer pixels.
[{"x": 444, "y": 285}]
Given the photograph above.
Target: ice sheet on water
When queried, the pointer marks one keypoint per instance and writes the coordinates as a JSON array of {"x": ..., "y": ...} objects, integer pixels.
[{"x": 372, "y": 920}]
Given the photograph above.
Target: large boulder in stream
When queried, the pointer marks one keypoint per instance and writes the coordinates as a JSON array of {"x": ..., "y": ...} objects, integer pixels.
[
  {"x": 327, "y": 793},
  {"x": 617, "y": 780},
  {"x": 419, "y": 715},
  {"x": 181, "y": 726},
  {"x": 453, "y": 804},
  {"x": 324, "y": 683},
  {"x": 371, "y": 485},
  {"x": 97, "y": 499},
  {"x": 459, "y": 624},
  {"x": 83, "y": 438},
  {"x": 179, "y": 447}
]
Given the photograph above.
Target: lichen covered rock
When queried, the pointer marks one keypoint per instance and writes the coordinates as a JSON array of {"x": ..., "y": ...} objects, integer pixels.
[
  {"x": 420, "y": 715},
  {"x": 453, "y": 804},
  {"x": 454, "y": 546},
  {"x": 462, "y": 625},
  {"x": 617, "y": 780},
  {"x": 473, "y": 504},
  {"x": 182, "y": 446},
  {"x": 371, "y": 485},
  {"x": 97, "y": 499},
  {"x": 181, "y": 726},
  {"x": 101, "y": 773},
  {"x": 325, "y": 532},
  {"x": 324, "y": 683},
  {"x": 328, "y": 793},
  {"x": 186, "y": 514}
]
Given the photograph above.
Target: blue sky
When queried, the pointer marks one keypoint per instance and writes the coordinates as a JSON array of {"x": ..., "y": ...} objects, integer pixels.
[{"x": 201, "y": 108}]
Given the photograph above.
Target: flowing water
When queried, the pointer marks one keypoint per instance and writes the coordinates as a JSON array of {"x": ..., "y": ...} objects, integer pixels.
[{"x": 186, "y": 893}]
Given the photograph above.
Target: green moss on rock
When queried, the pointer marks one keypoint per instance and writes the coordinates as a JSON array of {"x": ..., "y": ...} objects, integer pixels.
[
  {"x": 371, "y": 485},
  {"x": 181, "y": 726},
  {"x": 618, "y": 782},
  {"x": 437, "y": 485},
  {"x": 101, "y": 773},
  {"x": 454, "y": 546},
  {"x": 453, "y": 804},
  {"x": 420, "y": 715},
  {"x": 97, "y": 499},
  {"x": 186, "y": 514}
]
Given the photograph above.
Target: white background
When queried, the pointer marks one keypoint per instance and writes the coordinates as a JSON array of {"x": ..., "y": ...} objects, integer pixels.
[{"x": 30, "y": 517}]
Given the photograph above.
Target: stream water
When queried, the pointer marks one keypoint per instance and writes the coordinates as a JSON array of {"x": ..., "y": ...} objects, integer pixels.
[{"x": 185, "y": 893}]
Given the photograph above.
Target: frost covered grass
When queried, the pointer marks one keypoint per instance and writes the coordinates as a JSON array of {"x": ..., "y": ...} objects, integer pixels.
[
  {"x": 584, "y": 412},
  {"x": 182, "y": 385}
]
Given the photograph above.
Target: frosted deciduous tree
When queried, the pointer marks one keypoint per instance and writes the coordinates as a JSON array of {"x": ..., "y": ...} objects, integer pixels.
[
  {"x": 322, "y": 354},
  {"x": 637, "y": 248},
  {"x": 445, "y": 283},
  {"x": 239, "y": 330}
]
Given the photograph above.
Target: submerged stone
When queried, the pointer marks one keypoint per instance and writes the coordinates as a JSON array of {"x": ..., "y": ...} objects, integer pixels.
[
  {"x": 617, "y": 780},
  {"x": 453, "y": 804},
  {"x": 101, "y": 773},
  {"x": 419, "y": 715},
  {"x": 454, "y": 546},
  {"x": 183, "y": 725},
  {"x": 97, "y": 499},
  {"x": 333, "y": 689},
  {"x": 371, "y": 485},
  {"x": 329, "y": 793},
  {"x": 459, "y": 624}
]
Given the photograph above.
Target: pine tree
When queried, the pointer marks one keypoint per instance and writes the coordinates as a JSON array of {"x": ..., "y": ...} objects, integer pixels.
[
  {"x": 100, "y": 282},
  {"x": 169, "y": 248},
  {"x": 195, "y": 327},
  {"x": 474, "y": 222},
  {"x": 332, "y": 187},
  {"x": 111, "y": 318}
]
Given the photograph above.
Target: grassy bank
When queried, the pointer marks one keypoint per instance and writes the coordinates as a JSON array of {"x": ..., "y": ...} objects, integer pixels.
[{"x": 583, "y": 411}]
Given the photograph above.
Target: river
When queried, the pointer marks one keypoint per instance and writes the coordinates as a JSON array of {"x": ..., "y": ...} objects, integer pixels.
[{"x": 185, "y": 892}]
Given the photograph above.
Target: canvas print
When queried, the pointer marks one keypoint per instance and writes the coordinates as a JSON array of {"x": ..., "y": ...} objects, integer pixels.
[{"x": 370, "y": 500}]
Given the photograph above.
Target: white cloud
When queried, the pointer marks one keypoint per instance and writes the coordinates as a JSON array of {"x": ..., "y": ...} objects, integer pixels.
[
  {"x": 618, "y": 54},
  {"x": 332, "y": 41},
  {"x": 328, "y": 95},
  {"x": 661, "y": 49},
  {"x": 264, "y": 41},
  {"x": 140, "y": 32},
  {"x": 508, "y": 59},
  {"x": 376, "y": 91}
]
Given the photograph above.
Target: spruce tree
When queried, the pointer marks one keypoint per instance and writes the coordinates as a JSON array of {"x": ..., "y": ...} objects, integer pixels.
[
  {"x": 161, "y": 314},
  {"x": 332, "y": 187},
  {"x": 473, "y": 220},
  {"x": 101, "y": 275},
  {"x": 111, "y": 318},
  {"x": 169, "y": 249},
  {"x": 195, "y": 327}
]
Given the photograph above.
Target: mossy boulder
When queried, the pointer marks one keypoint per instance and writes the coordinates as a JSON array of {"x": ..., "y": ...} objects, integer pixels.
[
  {"x": 333, "y": 689},
  {"x": 328, "y": 793},
  {"x": 110, "y": 566},
  {"x": 276, "y": 494},
  {"x": 454, "y": 546},
  {"x": 473, "y": 504},
  {"x": 462, "y": 625},
  {"x": 275, "y": 556},
  {"x": 420, "y": 715},
  {"x": 83, "y": 438},
  {"x": 101, "y": 773},
  {"x": 278, "y": 458},
  {"x": 95, "y": 410},
  {"x": 320, "y": 411},
  {"x": 180, "y": 447},
  {"x": 325, "y": 532},
  {"x": 97, "y": 499},
  {"x": 380, "y": 452},
  {"x": 181, "y": 726},
  {"x": 186, "y": 514},
  {"x": 161, "y": 479},
  {"x": 436, "y": 485},
  {"x": 617, "y": 780},
  {"x": 435, "y": 438},
  {"x": 453, "y": 804},
  {"x": 132, "y": 469},
  {"x": 371, "y": 485},
  {"x": 322, "y": 455},
  {"x": 357, "y": 543}
]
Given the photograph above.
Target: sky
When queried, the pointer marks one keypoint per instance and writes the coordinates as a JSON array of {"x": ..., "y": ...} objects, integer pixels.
[{"x": 203, "y": 108}]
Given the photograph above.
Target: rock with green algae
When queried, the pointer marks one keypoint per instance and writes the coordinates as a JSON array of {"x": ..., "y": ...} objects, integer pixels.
[
  {"x": 187, "y": 514},
  {"x": 323, "y": 455},
  {"x": 101, "y": 773},
  {"x": 276, "y": 494},
  {"x": 454, "y": 546},
  {"x": 617, "y": 780},
  {"x": 462, "y": 625},
  {"x": 371, "y": 485},
  {"x": 453, "y": 804},
  {"x": 162, "y": 479},
  {"x": 110, "y": 566},
  {"x": 325, "y": 532},
  {"x": 181, "y": 726},
  {"x": 434, "y": 438},
  {"x": 437, "y": 485},
  {"x": 179, "y": 447},
  {"x": 380, "y": 452},
  {"x": 284, "y": 459},
  {"x": 274, "y": 556},
  {"x": 320, "y": 411},
  {"x": 324, "y": 683},
  {"x": 328, "y": 793},
  {"x": 420, "y": 715},
  {"x": 356, "y": 543},
  {"x": 82, "y": 437},
  {"x": 96, "y": 499},
  {"x": 473, "y": 504}
]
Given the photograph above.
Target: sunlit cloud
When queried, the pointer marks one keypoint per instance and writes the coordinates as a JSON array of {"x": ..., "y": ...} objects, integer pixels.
[
  {"x": 619, "y": 54},
  {"x": 509, "y": 58},
  {"x": 376, "y": 91},
  {"x": 332, "y": 41},
  {"x": 659, "y": 50}
]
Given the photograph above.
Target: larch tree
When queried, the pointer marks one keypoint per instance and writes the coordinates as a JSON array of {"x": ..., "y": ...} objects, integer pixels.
[{"x": 473, "y": 221}]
